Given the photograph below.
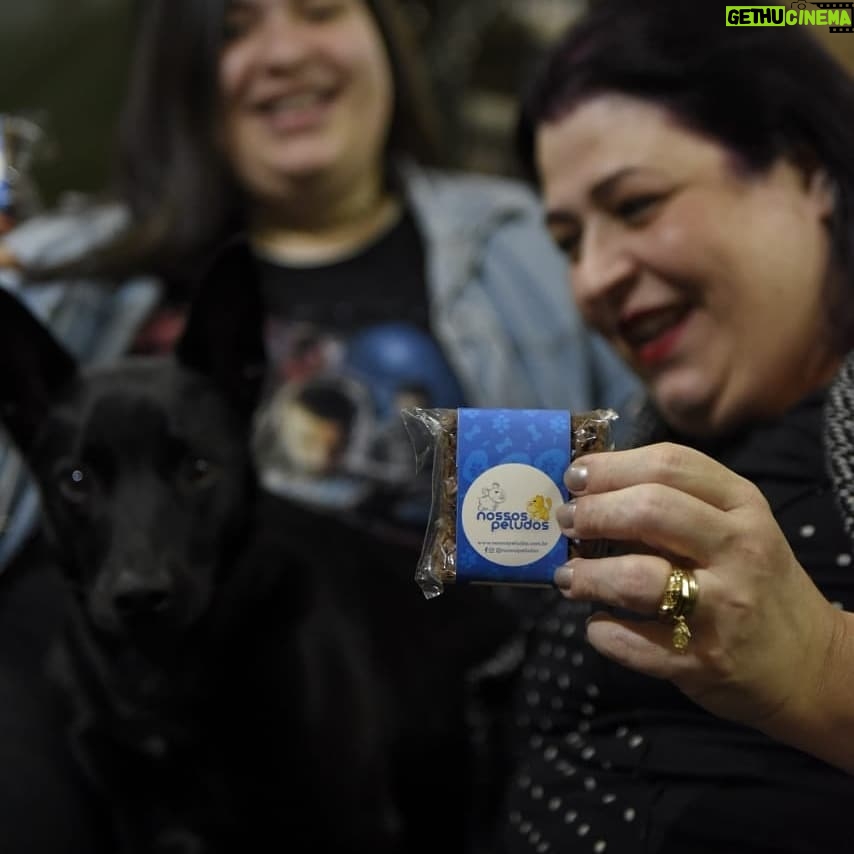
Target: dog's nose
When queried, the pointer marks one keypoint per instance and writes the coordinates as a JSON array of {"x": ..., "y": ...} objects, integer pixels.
[{"x": 136, "y": 593}]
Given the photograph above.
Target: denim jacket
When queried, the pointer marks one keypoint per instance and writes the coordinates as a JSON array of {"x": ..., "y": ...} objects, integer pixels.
[
  {"x": 500, "y": 301},
  {"x": 96, "y": 322}
]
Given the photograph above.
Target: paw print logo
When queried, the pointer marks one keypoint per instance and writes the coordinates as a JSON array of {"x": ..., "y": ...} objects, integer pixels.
[
  {"x": 500, "y": 423},
  {"x": 552, "y": 463},
  {"x": 474, "y": 465}
]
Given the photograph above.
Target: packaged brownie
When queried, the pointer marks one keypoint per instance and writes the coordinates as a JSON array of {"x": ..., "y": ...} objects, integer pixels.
[{"x": 497, "y": 482}]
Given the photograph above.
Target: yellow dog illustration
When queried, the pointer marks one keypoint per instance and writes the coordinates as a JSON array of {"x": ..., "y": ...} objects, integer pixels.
[{"x": 539, "y": 508}]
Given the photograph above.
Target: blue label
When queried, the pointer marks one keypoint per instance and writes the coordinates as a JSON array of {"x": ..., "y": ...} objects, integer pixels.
[{"x": 510, "y": 467}]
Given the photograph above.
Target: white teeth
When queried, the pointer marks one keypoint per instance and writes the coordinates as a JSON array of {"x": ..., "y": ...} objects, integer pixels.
[
  {"x": 650, "y": 325},
  {"x": 296, "y": 102}
]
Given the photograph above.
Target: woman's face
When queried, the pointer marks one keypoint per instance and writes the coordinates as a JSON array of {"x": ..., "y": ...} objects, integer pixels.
[
  {"x": 706, "y": 279},
  {"x": 306, "y": 92}
]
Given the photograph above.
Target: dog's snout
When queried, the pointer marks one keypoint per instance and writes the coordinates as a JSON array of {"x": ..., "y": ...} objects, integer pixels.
[{"x": 135, "y": 593}]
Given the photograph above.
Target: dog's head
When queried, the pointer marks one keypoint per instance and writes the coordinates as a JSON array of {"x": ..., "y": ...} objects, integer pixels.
[{"x": 143, "y": 465}]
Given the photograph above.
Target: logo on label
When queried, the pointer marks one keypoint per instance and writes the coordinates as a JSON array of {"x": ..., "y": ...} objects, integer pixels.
[
  {"x": 490, "y": 497},
  {"x": 507, "y": 514},
  {"x": 539, "y": 507}
]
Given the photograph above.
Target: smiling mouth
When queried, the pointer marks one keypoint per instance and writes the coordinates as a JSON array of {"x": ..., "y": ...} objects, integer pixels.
[
  {"x": 297, "y": 103},
  {"x": 651, "y": 335}
]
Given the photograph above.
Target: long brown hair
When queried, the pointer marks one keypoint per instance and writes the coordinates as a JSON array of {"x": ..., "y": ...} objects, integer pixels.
[{"x": 180, "y": 191}]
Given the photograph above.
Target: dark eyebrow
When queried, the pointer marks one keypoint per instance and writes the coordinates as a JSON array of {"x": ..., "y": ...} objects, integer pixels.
[
  {"x": 605, "y": 188},
  {"x": 600, "y": 193},
  {"x": 558, "y": 217}
]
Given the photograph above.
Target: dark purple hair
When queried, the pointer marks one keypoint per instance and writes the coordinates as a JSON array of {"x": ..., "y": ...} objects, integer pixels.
[{"x": 761, "y": 92}]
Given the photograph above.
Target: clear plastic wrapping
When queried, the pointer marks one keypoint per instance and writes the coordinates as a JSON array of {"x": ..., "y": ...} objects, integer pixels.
[{"x": 516, "y": 455}]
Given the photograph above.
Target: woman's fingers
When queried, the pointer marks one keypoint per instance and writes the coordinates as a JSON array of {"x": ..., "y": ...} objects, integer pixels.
[
  {"x": 683, "y": 469},
  {"x": 661, "y": 517},
  {"x": 670, "y": 498},
  {"x": 644, "y": 646},
  {"x": 635, "y": 582},
  {"x": 758, "y": 625},
  {"x": 756, "y": 628}
]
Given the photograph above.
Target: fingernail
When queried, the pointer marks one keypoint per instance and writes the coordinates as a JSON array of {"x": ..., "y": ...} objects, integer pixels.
[
  {"x": 563, "y": 577},
  {"x": 565, "y": 515},
  {"x": 576, "y": 478}
]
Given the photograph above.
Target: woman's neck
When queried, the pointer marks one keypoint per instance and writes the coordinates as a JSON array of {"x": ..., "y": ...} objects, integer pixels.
[{"x": 325, "y": 228}]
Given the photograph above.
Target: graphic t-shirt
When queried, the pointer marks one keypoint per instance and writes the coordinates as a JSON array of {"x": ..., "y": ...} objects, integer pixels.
[{"x": 349, "y": 346}]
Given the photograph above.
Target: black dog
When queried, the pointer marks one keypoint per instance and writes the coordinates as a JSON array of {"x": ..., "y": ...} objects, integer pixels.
[{"x": 239, "y": 670}]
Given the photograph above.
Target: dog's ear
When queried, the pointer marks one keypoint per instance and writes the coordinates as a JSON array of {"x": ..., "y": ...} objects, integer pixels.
[
  {"x": 35, "y": 367},
  {"x": 224, "y": 335}
]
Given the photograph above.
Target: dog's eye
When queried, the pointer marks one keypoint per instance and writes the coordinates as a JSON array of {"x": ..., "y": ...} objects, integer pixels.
[
  {"x": 198, "y": 472},
  {"x": 74, "y": 484}
]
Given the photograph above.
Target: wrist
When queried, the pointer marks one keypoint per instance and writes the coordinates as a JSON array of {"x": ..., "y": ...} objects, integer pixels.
[{"x": 818, "y": 717}]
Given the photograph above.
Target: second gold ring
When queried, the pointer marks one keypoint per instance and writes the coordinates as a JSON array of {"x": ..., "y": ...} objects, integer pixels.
[{"x": 677, "y": 603}]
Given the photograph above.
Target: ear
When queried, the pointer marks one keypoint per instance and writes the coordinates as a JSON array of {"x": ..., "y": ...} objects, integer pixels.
[
  {"x": 822, "y": 188},
  {"x": 35, "y": 367},
  {"x": 223, "y": 337},
  {"x": 818, "y": 183}
]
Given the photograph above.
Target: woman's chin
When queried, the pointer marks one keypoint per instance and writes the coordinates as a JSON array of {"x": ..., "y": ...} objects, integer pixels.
[{"x": 685, "y": 410}]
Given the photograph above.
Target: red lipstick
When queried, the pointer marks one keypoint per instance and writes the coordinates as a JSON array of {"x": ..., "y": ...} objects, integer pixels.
[{"x": 660, "y": 348}]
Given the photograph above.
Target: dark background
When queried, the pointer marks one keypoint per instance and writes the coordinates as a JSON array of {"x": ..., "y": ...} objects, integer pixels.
[{"x": 65, "y": 64}]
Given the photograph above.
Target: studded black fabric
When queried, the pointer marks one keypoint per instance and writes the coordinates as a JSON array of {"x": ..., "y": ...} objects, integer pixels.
[{"x": 611, "y": 761}]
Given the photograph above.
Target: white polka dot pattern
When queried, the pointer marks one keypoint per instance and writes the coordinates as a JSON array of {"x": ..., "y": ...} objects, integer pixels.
[{"x": 591, "y": 727}]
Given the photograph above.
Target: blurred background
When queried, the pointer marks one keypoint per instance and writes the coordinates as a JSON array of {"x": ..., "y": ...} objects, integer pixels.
[{"x": 65, "y": 66}]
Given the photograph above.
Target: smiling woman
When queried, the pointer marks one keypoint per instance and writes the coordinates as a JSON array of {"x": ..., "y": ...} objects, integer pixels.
[
  {"x": 676, "y": 253},
  {"x": 699, "y": 179},
  {"x": 306, "y": 128},
  {"x": 303, "y": 132},
  {"x": 317, "y": 136}
]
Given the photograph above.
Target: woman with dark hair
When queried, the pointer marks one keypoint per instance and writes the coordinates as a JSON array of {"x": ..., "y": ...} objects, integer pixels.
[
  {"x": 691, "y": 690},
  {"x": 175, "y": 155},
  {"x": 303, "y": 127},
  {"x": 306, "y": 128}
]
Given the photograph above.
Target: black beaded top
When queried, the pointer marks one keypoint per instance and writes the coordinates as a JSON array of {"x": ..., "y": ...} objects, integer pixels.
[{"x": 608, "y": 760}]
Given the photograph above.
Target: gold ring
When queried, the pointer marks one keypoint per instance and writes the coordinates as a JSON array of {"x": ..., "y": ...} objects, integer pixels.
[{"x": 677, "y": 603}]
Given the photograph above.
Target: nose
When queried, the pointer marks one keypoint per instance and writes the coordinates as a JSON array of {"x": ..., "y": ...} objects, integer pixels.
[
  {"x": 604, "y": 266},
  {"x": 281, "y": 37},
  {"x": 138, "y": 593}
]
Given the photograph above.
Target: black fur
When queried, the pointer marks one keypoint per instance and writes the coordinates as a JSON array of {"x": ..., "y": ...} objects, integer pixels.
[{"x": 242, "y": 675}]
